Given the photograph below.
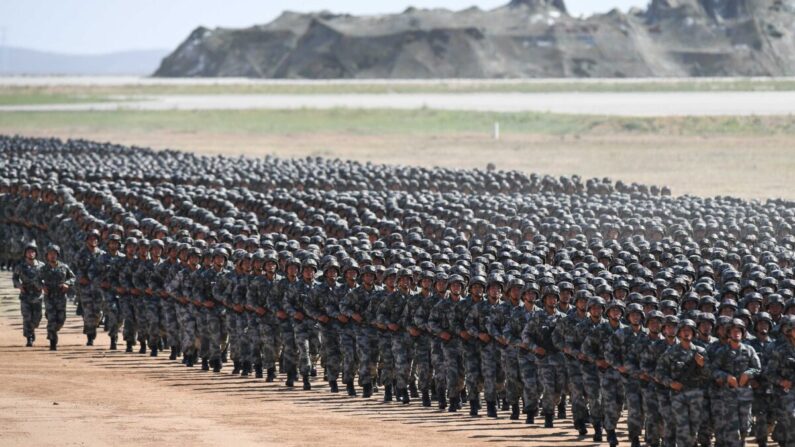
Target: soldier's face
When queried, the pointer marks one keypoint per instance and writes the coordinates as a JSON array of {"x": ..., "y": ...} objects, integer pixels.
[
  {"x": 596, "y": 311},
  {"x": 52, "y": 256},
  {"x": 686, "y": 334},
  {"x": 634, "y": 319},
  {"x": 565, "y": 296},
  {"x": 654, "y": 326},
  {"x": 351, "y": 275},
  {"x": 762, "y": 327},
  {"x": 494, "y": 291},
  {"x": 705, "y": 327},
  {"x": 270, "y": 266},
  {"x": 113, "y": 246},
  {"x": 736, "y": 334},
  {"x": 219, "y": 261},
  {"x": 308, "y": 274},
  {"x": 550, "y": 301},
  {"x": 368, "y": 279},
  {"x": 455, "y": 288},
  {"x": 331, "y": 275},
  {"x": 292, "y": 270},
  {"x": 426, "y": 283},
  {"x": 669, "y": 330},
  {"x": 404, "y": 282},
  {"x": 614, "y": 314},
  {"x": 389, "y": 281},
  {"x": 30, "y": 254},
  {"x": 92, "y": 242},
  {"x": 476, "y": 290}
]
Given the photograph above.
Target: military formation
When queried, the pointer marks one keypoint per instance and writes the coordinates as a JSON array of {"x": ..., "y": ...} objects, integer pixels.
[{"x": 535, "y": 295}]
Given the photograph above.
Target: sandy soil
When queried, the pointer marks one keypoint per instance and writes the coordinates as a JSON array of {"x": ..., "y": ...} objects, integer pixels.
[
  {"x": 89, "y": 396},
  {"x": 742, "y": 166}
]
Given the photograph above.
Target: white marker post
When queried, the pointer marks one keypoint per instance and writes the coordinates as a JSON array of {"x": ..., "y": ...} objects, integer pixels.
[{"x": 496, "y": 130}]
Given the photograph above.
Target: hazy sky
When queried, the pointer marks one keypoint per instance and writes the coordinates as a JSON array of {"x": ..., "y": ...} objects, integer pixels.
[{"x": 98, "y": 26}]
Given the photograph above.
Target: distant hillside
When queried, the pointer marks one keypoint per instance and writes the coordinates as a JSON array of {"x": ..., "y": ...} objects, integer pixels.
[
  {"x": 21, "y": 61},
  {"x": 523, "y": 39}
]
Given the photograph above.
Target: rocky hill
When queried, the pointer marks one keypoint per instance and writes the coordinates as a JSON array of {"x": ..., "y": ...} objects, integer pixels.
[{"x": 523, "y": 39}]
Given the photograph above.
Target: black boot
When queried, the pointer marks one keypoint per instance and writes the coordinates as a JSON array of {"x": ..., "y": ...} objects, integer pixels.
[
  {"x": 246, "y": 369},
  {"x": 453, "y": 407},
  {"x": 290, "y": 379},
  {"x": 515, "y": 412},
  {"x": 367, "y": 391},
  {"x": 129, "y": 347},
  {"x": 387, "y": 393},
  {"x": 189, "y": 361},
  {"x": 113, "y": 343},
  {"x": 174, "y": 353},
  {"x": 636, "y": 442},
  {"x": 549, "y": 420},
  {"x": 89, "y": 340},
  {"x": 29, "y": 342},
  {"x": 405, "y": 394},
  {"x": 258, "y": 370},
  {"x": 531, "y": 416},
  {"x": 205, "y": 364},
  {"x": 505, "y": 406},
  {"x": 53, "y": 344},
  {"x": 216, "y": 366},
  {"x": 332, "y": 386},
  {"x": 491, "y": 409},
  {"x": 313, "y": 372},
  {"x": 426, "y": 398},
  {"x": 307, "y": 385},
  {"x": 224, "y": 356},
  {"x": 434, "y": 391},
  {"x": 143, "y": 347},
  {"x": 597, "y": 432},
  {"x": 350, "y": 388},
  {"x": 474, "y": 406},
  {"x": 413, "y": 389},
  {"x": 442, "y": 399},
  {"x": 582, "y": 430},
  {"x": 271, "y": 375},
  {"x": 612, "y": 438},
  {"x": 236, "y": 368},
  {"x": 562, "y": 408},
  {"x": 153, "y": 351}
]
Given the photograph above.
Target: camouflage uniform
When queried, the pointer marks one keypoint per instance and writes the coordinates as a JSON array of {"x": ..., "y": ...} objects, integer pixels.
[
  {"x": 734, "y": 404},
  {"x": 762, "y": 405},
  {"x": 581, "y": 345},
  {"x": 491, "y": 367},
  {"x": 425, "y": 343},
  {"x": 214, "y": 333},
  {"x": 88, "y": 296},
  {"x": 264, "y": 328},
  {"x": 440, "y": 320},
  {"x": 52, "y": 278},
  {"x": 563, "y": 337},
  {"x": 281, "y": 289},
  {"x": 390, "y": 311},
  {"x": 619, "y": 354},
  {"x": 148, "y": 304},
  {"x": 294, "y": 301},
  {"x": 781, "y": 366},
  {"x": 127, "y": 301},
  {"x": 322, "y": 301},
  {"x": 104, "y": 275},
  {"x": 26, "y": 277},
  {"x": 521, "y": 369},
  {"x": 595, "y": 347},
  {"x": 658, "y": 425},
  {"x": 677, "y": 364},
  {"x": 386, "y": 361},
  {"x": 356, "y": 302},
  {"x": 538, "y": 333}
]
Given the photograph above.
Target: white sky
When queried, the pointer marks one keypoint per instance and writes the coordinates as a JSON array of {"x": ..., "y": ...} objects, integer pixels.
[{"x": 100, "y": 26}]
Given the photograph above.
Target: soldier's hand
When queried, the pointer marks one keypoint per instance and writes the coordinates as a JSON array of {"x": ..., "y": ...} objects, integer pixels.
[
  {"x": 83, "y": 281},
  {"x": 119, "y": 290},
  {"x": 582, "y": 357},
  {"x": 743, "y": 380},
  {"x": 622, "y": 369},
  {"x": 392, "y": 327},
  {"x": 104, "y": 284},
  {"x": 64, "y": 288},
  {"x": 567, "y": 350},
  {"x": 357, "y": 317},
  {"x": 322, "y": 319},
  {"x": 45, "y": 290},
  {"x": 731, "y": 382},
  {"x": 644, "y": 377},
  {"x": 148, "y": 291},
  {"x": 163, "y": 294},
  {"x": 281, "y": 315},
  {"x": 238, "y": 308},
  {"x": 260, "y": 311},
  {"x": 414, "y": 332},
  {"x": 503, "y": 341},
  {"x": 540, "y": 351},
  {"x": 602, "y": 363},
  {"x": 21, "y": 289},
  {"x": 342, "y": 318},
  {"x": 676, "y": 386},
  {"x": 754, "y": 384},
  {"x": 484, "y": 337},
  {"x": 298, "y": 316},
  {"x": 699, "y": 360},
  {"x": 445, "y": 336},
  {"x": 464, "y": 334},
  {"x": 786, "y": 384}
]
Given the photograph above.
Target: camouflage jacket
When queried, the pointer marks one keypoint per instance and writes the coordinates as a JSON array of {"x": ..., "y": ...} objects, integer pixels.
[
  {"x": 27, "y": 276},
  {"x": 53, "y": 277}
]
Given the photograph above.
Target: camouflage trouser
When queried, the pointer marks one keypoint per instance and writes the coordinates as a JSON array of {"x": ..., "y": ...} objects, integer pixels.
[
  {"x": 687, "y": 406},
  {"x": 593, "y": 392},
  {"x": 214, "y": 333},
  {"x": 368, "y": 356},
  {"x": 491, "y": 368},
  {"x": 127, "y": 310},
  {"x": 762, "y": 409},
  {"x": 315, "y": 346},
  {"x": 513, "y": 380},
  {"x": 171, "y": 322},
  {"x": 347, "y": 346},
  {"x": 707, "y": 428},
  {"x": 667, "y": 417},
  {"x": 267, "y": 340},
  {"x": 289, "y": 348},
  {"x": 91, "y": 300},
  {"x": 422, "y": 358},
  {"x": 579, "y": 404},
  {"x": 331, "y": 350},
  {"x": 31, "y": 315},
  {"x": 612, "y": 398},
  {"x": 734, "y": 409},
  {"x": 651, "y": 409},
  {"x": 187, "y": 314},
  {"x": 400, "y": 352},
  {"x": 453, "y": 366},
  {"x": 552, "y": 378},
  {"x": 55, "y": 310},
  {"x": 139, "y": 307},
  {"x": 239, "y": 349},
  {"x": 110, "y": 306},
  {"x": 787, "y": 416},
  {"x": 474, "y": 377},
  {"x": 528, "y": 372},
  {"x": 386, "y": 363},
  {"x": 437, "y": 362},
  {"x": 152, "y": 307},
  {"x": 303, "y": 331},
  {"x": 634, "y": 397}
]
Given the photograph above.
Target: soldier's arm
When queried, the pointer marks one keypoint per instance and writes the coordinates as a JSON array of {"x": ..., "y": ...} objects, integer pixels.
[
  {"x": 471, "y": 321},
  {"x": 663, "y": 371},
  {"x": 15, "y": 278},
  {"x": 558, "y": 335},
  {"x": 434, "y": 319},
  {"x": 312, "y": 298},
  {"x": 755, "y": 365},
  {"x": 528, "y": 334}
]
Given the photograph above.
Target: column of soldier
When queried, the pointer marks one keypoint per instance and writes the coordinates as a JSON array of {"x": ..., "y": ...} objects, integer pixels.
[{"x": 451, "y": 286}]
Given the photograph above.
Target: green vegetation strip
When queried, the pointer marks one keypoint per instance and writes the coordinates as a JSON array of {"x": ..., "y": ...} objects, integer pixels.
[{"x": 382, "y": 122}]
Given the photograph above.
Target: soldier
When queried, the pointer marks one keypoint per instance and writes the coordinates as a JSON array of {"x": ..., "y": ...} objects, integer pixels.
[
  {"x": 499, "y": 329},
  {"x": 56, "y": 280},
  {"x": 154, "y": 271},
  {"x": 470, "y": 345},
  {"x": 276, "y": 301},
  {"x": 581, "y": 348},
  {"x": 166, "y": 273},
  {"x": 104, "y": 275},
  {"x": 537, "y": 336},
  {"x": 320, "y": 306},
  {"x": 124, "y": 290},
  {"x": 642, "y": 362},
  {"x": 526, "y": 359},
  {"x": 346, "y": 327},
  {"x": 391, "y": 317},
  {"x": 294, "y": 305},
  {"x": 763, "y": 402},
  {"x": 415, "y": 320},
  {"x": 187, "y": 308},
  {"x": 618, "y": 355},
  {"x": 386, "y": 365},
  {"x": 89, "y": 299},
  {"x": 213, "y": 338},
  {"x": 138, "y": 286},
  {"x": 477, "y": 324},
  {"x": 263, "y": 326},
  {"x": 781, "y": 374},
  {"x": 26, "y": 279},
  {"x": 442, "y": 323},
  {"x": 354, "y": 307},
  {"x": 563, "y": 338},
  {"x": 683, "y": 368},
  {"x": 734, "y": 366}
]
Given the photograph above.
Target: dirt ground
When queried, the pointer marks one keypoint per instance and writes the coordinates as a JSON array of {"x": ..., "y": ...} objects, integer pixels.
[
  {"x": 736, "y": 165},
  {"x": 89, "y": 396}
]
